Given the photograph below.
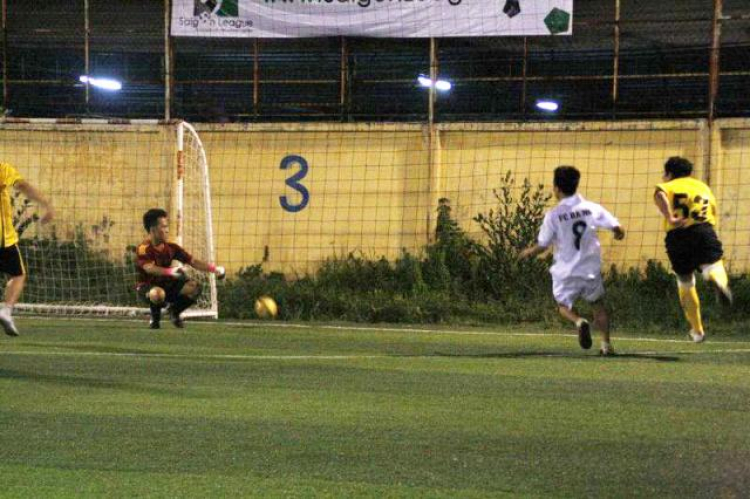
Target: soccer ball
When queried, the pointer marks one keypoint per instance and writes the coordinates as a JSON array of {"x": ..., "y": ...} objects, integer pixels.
[
  {"x": 156, "y": 295},
  {"x": 266, "y": 308}
]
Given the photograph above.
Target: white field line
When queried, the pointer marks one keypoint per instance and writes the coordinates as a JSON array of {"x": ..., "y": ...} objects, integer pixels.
[
  {"x": 377, "y": 329},
  {"x": 459, "y": 332},
  {"x": 191, "y": 356},
  {"x": 221, "y": 357},
  {"x": 691, "y": 352}
]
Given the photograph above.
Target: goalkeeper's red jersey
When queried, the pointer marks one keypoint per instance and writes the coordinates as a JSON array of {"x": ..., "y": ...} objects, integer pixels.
[{"x": 162, "y": 256}]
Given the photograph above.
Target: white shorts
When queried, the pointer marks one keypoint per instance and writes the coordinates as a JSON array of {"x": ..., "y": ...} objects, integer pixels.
[{"x": 567, "y": 291}]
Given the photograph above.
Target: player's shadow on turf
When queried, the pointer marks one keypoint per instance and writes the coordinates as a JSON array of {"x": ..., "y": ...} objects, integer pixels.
[
  {"x": 647, "y": 356},
  {"x": 92, "y": 348},
  {"x": 83, "y": 382},
  {"x": 558, "y": 355}
]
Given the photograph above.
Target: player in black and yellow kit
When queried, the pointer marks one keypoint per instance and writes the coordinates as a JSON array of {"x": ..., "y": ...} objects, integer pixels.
[
  {"x": 11, "y": 262},
  {"x": 158, "y": 282},
  {"x": 689, "y": 210}
]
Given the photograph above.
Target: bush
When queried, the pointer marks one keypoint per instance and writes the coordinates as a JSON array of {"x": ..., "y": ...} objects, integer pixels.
[
  {"x": 648, "y": 300},
  {"x": 88, "y": 274},
  {"x": 510, "y": 228},
  {"x": 74, "y": 271},
  {"x": 458, "y": 280}
]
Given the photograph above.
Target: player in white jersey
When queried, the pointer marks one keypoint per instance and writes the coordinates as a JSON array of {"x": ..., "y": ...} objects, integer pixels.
[{"x": 571, "y": 228}]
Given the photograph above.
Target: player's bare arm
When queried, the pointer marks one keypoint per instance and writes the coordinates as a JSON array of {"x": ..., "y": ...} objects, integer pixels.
[
  {"x": 619, "y": 233},
  {"x": 531, "y": 252},
  {"x": 33, "y": 194},
  {"x": 662, "y": 202}
]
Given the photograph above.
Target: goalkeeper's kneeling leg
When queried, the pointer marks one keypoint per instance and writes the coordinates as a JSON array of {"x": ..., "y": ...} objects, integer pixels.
[
  {"x": 191, "y": 289},
  {"x": 156, "y": 297},
  {"x": 189, "y": 294}
]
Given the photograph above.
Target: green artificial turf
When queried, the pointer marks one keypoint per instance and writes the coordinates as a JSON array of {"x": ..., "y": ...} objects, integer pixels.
[{"x": 112, "y": 409}]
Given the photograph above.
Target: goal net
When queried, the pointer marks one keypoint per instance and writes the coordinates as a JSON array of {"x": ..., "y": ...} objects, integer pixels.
[
  {"x": 295, "y": 196},
  {"x": 101, "y": 177}
]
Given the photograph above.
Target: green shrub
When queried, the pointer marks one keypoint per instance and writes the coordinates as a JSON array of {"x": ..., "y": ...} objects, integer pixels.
[
  {"x": 74, "y": 271},
  {"x": 455, "y": 279},
  {"x": 509, "y": 228},
  {"x": 648, "y": 300},
  {"x": 461, "y": 281}
]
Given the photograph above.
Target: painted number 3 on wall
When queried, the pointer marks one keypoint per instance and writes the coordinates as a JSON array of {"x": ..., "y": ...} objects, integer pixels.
[{"x": 293, "y": 182}]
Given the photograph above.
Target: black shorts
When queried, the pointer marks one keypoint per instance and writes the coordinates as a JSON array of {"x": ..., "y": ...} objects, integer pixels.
[
  {"x": 171, "y": 290},
  {"x": 692, "y": 247},
  {"x": 11, "y": 261}
]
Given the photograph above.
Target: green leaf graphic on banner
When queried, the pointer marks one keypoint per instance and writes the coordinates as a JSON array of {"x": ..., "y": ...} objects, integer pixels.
[
  {"x": 557, "y": 21},
  {"x": 222, "y": 8},
  {"x": 228, "y": 9}
]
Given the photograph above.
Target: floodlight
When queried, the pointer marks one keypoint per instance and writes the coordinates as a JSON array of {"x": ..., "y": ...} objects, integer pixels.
[
  {"x": 103, "y": 83},
  {"x": 547, "y": 105}
]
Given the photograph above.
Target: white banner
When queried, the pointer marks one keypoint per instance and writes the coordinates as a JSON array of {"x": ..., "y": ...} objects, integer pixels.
[{"x": 372, "y": 18}]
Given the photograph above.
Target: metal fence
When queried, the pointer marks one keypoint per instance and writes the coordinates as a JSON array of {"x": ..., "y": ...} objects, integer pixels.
[{"x": 625, "y": 59}]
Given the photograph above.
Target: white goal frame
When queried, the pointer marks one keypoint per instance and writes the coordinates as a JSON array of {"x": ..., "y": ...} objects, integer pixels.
[{"x": 182, "y": 132}]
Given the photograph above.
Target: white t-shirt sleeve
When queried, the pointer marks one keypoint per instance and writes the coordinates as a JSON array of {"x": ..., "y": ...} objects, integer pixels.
[
  {"x": 546, "y": 232},
  {"x": 605, "y": 219}
]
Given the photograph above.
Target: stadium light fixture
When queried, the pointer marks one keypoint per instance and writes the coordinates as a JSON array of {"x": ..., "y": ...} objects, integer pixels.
[
  {"x": 103, "y": 83},
  {"x": 442, "y": 85},
  {"x": 547, "y": 105},
  {"x": 424, "y": 81}
]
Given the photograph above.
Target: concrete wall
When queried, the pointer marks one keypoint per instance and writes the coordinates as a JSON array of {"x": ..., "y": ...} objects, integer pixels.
[
  {"x": 373, "y": 189},
  {"x": 92, "y": 174}
]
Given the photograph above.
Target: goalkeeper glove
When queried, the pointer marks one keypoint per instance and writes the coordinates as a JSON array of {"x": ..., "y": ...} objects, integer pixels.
[
  {"x": 218, "y": 270},
  {"x": 221, "y": 272},
  {"x": 174, "y": 272}
]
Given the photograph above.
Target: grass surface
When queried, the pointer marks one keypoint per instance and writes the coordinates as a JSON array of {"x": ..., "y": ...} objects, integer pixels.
[{"x": 112, "y": 409}]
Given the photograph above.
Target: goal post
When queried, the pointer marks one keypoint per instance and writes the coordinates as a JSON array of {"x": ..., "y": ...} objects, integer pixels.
[
  {"x": 101, "y": 176},
  {"x": 193, "y": 213}
]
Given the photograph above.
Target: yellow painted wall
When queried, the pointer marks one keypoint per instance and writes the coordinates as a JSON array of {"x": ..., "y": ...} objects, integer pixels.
[
  {"x": 89, "y": 175},
  {"x": 619, "y": 170},
  {"x": 731, "y": 185},
  {"x": 368, "y": 195},
  {"x": 372, "y": 188}
]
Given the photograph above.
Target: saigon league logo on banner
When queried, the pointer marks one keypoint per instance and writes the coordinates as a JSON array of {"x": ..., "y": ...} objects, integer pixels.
[
  {"x": 220, "y": 8},
  {"x": 220, "y": 16}
]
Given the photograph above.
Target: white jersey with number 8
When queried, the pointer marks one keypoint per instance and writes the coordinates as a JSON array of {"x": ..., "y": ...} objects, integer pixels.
[{"x": 571, "y": 227}]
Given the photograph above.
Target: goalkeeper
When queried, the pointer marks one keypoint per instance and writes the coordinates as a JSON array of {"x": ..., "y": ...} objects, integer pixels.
[{"x": 159, "y": 283}]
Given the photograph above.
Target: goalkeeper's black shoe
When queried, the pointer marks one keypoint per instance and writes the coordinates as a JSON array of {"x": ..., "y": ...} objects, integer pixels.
[
  {"x": 176, "y": 319},
  {"x": 155, "y": 321},
  {"x": 584, "y": 334}
]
